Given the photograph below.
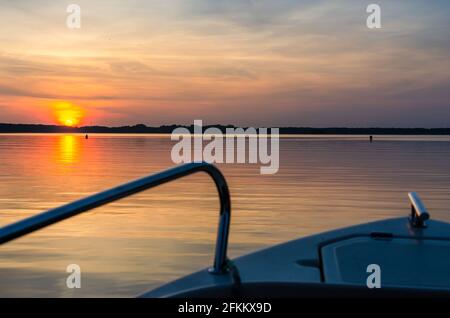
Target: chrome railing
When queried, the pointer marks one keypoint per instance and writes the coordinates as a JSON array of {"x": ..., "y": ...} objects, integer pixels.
[
  {"x": 419, "y": 213},
  {"x": 34, "y": 223}
]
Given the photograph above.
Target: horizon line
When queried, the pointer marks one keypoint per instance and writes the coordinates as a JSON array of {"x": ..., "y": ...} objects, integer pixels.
[{"x": 143, "y": 126}]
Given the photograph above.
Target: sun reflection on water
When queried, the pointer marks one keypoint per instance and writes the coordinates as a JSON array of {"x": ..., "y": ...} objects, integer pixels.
[{"x": 69, "y": 149}]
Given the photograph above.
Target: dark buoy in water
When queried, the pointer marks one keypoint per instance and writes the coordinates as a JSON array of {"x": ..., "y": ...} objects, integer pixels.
[
  {"x": 86, "y": 137},
  {"x": 371, "y": 139}
]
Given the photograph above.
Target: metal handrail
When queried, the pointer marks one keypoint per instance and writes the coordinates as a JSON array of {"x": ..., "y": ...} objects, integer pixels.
[
  {"x": 419, "y": 213},
  {"x": 34, "y": 223}
]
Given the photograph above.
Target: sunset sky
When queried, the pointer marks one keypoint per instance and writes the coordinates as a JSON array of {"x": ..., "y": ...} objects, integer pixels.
[{"x": 243, "y": 62}]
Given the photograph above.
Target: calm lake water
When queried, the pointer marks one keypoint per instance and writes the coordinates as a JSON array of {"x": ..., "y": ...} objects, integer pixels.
[{"x": 141, "y": 242}]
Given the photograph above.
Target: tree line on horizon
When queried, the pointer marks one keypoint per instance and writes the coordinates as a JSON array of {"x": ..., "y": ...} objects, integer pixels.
[{"x": 141, "y": 128}]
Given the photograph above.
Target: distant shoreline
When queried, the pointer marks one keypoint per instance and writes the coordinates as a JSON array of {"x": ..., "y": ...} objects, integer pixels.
[{"x": 167, "y": 129}]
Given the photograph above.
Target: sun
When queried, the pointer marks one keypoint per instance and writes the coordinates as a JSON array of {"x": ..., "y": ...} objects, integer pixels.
[
  {"x": 69, "y": 122},
  {"x": 67, "y": 114}
]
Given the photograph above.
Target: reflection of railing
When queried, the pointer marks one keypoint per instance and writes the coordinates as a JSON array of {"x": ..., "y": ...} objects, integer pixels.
[
  {"x": 419, "y": 213},
  {"x": 42, "y": 220}
]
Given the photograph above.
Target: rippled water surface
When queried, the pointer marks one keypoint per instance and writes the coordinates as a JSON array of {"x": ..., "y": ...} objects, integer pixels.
[{"x": 141, "y": 242}]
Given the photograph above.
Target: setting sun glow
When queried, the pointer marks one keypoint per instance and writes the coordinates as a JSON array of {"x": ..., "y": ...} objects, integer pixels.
[{"x": 67, "y": 114}]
